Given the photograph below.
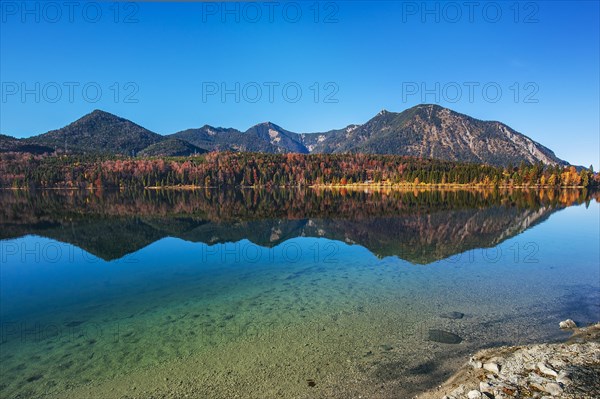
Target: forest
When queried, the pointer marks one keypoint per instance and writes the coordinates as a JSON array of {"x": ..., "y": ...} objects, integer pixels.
[{"x": 229, "y": 169}]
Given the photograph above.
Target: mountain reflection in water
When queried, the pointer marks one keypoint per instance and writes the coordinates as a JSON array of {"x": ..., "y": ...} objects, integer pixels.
[{"x": 418, "y": 226}]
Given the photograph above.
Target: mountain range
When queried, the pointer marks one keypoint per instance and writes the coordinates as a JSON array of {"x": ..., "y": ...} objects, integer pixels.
[{"x": 426, "y": 131}]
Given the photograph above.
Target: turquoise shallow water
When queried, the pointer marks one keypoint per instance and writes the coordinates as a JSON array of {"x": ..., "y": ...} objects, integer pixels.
[{"x": 338, "y": 306}]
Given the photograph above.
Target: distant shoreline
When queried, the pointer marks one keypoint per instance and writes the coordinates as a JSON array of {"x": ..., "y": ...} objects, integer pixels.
[
  {"x": 352, "y": 186},
  {"x": 362, "y": 186},
  {"x": 407, "y": 186}
]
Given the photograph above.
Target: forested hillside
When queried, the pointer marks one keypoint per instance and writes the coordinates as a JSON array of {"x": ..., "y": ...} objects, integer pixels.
[{"x": 257, "y": 169}]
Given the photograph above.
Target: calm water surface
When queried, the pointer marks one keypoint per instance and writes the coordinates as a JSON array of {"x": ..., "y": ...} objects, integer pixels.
[{"x": 295, "y": 294}]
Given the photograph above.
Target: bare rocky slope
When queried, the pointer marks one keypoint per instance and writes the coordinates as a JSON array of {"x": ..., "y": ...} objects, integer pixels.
[{"x": 431, "y": 131}]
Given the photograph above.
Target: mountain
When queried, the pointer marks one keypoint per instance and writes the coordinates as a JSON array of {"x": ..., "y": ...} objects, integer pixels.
[
  {"x": 326, "y": 142},
  {"x": 426, "y": 131},
  {"x": 171, "y": 148},
  {"x": 99, "y": 132},
  {"x": 431, "y": 131},
  {"x": 11, "y": 144},
  {"x": 222, "y": 139},
  {"x": 264, "y": 137},
  {"x": 210, "y": 138},
  {"x": 283, "y": 140}
]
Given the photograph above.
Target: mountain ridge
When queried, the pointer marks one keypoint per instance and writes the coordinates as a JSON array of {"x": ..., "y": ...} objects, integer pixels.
[
  {"x": 99, "y": 131},
  {"x": 425, "y": 131}
]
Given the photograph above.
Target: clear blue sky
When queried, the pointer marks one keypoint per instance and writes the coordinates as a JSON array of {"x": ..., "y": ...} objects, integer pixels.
[{"x": 365, "y": 56}]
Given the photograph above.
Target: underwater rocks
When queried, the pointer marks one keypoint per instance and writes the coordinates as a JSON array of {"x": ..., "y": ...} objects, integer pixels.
[
  {"x": 568, "y": 370},
  {"x": 444, "y": 337},
  {"x": 452, "y": 315}
]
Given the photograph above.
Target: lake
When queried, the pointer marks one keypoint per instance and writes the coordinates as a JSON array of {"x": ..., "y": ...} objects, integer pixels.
[{"x": 282, "y": 293}]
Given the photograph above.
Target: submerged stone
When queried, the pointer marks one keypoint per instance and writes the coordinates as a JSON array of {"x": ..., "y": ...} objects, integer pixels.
[
  {"x": 34, "y": 377},
  {"x": 452, "y": 315},
  {"x": 422, "y": 369},
  {"x": 444, "y": 337}
]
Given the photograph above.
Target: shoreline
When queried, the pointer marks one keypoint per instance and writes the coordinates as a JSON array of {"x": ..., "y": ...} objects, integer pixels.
[
  {"x": 352, "y": 187},
  {"x": 409, "y": 186},
  {"x": 575, "y": 362},
  {"x": 568, "y": 370}
]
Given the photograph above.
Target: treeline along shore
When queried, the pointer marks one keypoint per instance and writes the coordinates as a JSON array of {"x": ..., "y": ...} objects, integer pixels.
[{"x": 229, "y": 169}]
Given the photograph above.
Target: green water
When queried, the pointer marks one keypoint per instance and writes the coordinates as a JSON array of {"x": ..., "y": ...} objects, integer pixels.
[{"x": 276, "y": 294}]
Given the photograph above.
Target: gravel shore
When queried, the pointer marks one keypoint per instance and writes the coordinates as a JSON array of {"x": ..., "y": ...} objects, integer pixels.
[{"x": 568, "y": 370}]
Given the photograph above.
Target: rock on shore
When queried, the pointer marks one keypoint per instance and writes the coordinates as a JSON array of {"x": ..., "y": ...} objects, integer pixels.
[{"x": 568, "y": 370}]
